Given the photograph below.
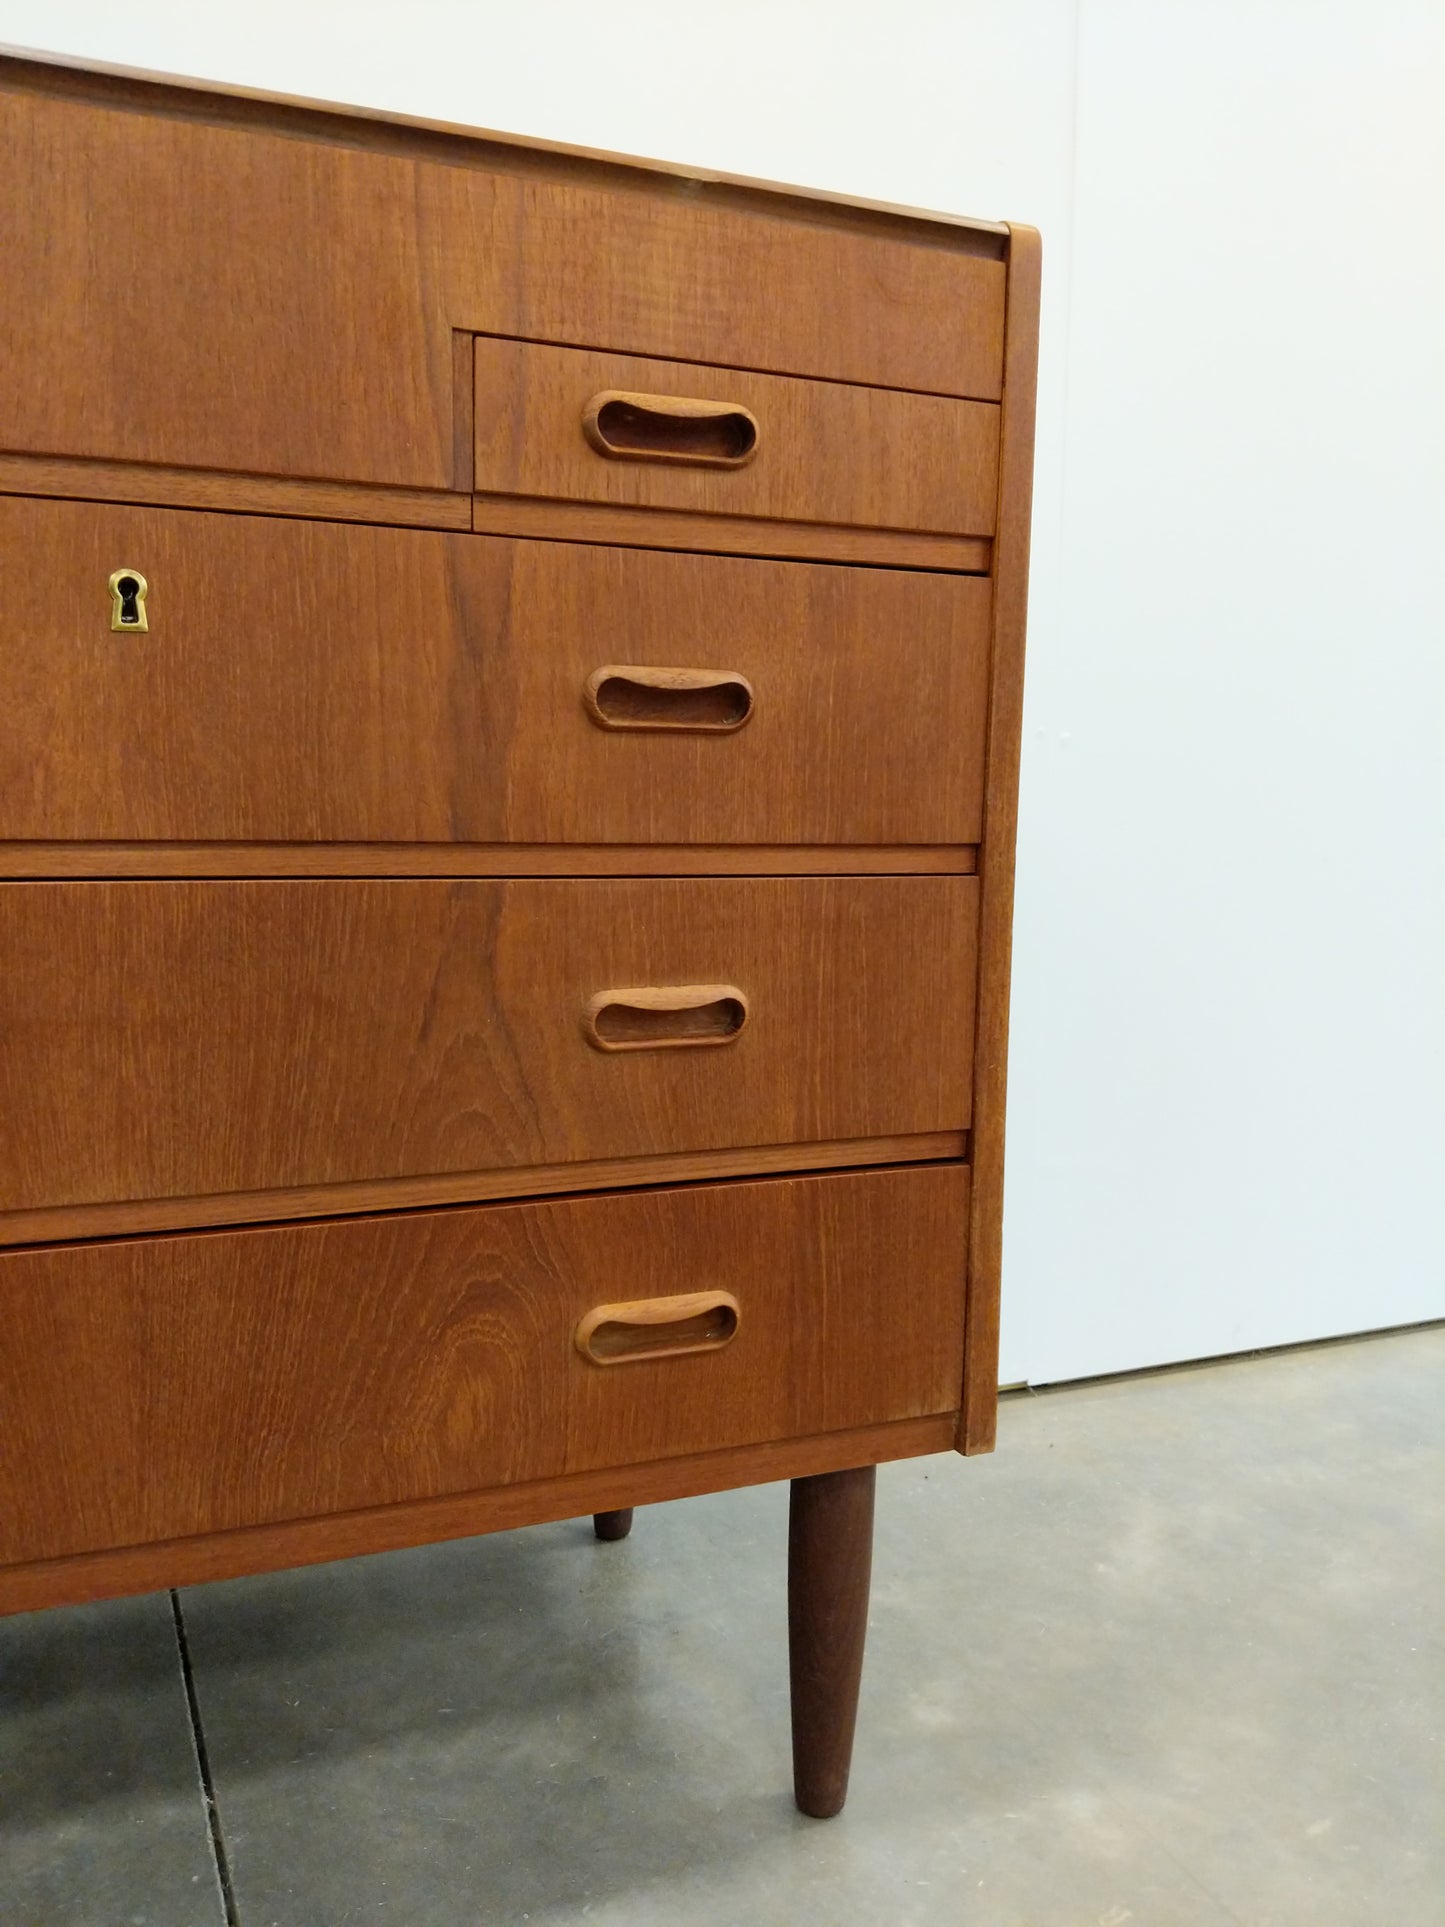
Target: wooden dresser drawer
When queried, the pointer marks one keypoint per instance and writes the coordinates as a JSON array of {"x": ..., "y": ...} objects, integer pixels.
[
  {"x": 178, "y": 1039},
  {"x": 155, "y": 1388},
  {"x": 300, "y": 681},
  {"x": 570, "y": 424}
]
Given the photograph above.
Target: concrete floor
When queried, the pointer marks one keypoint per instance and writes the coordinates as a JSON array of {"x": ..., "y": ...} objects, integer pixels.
[{"x": 1173, "y": 1656}]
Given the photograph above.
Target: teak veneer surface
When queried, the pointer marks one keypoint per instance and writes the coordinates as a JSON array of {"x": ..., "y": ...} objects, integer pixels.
[
  {"x": 313, "y": 682},
  {"x": 183, "y": 1038},
  {"x": 550, "y": 521},
  {"x": 41, "y": 860},
  {"x": 195, "y": 1560},
  {"x": 223, "y": 102},
  {"x": 826, "y": 451},
  {"x": 710, "y": 533},
  {"x": 336, "y": 863},
  {"x": 200, "y": 488},
  {"x": 158, "y": 1388},
  {"x": 70, "y": 1222},
  {"x": 331, "y": 276}
]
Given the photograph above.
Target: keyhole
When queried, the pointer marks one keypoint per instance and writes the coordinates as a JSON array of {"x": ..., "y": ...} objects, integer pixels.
[{"x": 128, "y": 600}]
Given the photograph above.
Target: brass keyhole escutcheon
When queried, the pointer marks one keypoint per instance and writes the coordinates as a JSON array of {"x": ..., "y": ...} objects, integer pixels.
[{"x": 128, "y": 590}]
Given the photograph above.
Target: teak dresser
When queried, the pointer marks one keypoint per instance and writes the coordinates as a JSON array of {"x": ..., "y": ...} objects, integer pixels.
[{"x": 509, "y": 727}]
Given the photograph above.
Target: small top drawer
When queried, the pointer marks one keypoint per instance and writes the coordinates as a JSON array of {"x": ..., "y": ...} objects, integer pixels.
[{"x": 570, "y": 424}]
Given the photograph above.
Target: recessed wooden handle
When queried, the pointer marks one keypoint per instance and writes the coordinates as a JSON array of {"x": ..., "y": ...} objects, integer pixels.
[
  {"x": 697, "y": 1321},
  {"x": 665, "y": 1016},
  {"x": 670, "y": 428},
  {"x": 628, "y": 696}
]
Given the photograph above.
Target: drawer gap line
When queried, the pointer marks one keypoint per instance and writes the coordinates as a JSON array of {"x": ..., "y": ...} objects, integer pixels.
[
  {"x": 55, "y": 862},
  {"x": 731, "y": 367},
  {"x": 189, "y": 1217}
]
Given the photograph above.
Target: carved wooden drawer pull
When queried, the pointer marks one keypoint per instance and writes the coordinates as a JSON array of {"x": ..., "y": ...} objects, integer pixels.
[
  {"x": 664, "y": 1017},
  {"x": 627, "y": 696},
  {"x": 697, "y": 1321},
  {"x": 670, "y": 428}
]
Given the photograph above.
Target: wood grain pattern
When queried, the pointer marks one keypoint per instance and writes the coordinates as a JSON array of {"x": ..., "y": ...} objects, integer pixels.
[
  {"x": 332, "y": 278},
  {"x": 705, "y": 534},
  {"x": 463, "y": 393},
  {"x": 314, "y": 682},
  {"x": 184, "y": 1038},
  {"x": 41, "y": 859},
  {"x": 72, "y": 1221},
  {"x": 670, "y": 428},
  {"x": 302, "y": 1542},
  {"x": 155, "y": 1389},
  {"x": 223, "y": 103},
  {"x": 199, "y": 488},
  {"x": 307, "y": 891},
  {"x": 665, "y": 1017},
  {"x": 285, "y": 317},
  {"x": 629, "y": 695},
  {"x": 996, "y": 857},
  {"x": 644, "y": 1328},
  {"x": 826, "y": 451}
]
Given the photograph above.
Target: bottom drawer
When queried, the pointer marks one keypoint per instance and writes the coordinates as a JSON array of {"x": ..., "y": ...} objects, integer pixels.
[{"x": 161, "y": 1387}]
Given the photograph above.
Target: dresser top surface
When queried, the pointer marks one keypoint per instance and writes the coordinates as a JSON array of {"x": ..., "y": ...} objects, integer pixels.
[{"x": 137, "y": 88}]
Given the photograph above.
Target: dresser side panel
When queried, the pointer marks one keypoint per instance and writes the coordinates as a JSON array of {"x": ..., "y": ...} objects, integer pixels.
[{"x": 996, "y": 853}]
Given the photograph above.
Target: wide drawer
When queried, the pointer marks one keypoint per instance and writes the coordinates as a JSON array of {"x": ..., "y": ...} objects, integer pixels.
[
  {"x": 177, "y": 1039},
  {"x": 157, "y": 1388},
  {"x": 575, "y": 425},
  {"x": 314, "y": 682}
]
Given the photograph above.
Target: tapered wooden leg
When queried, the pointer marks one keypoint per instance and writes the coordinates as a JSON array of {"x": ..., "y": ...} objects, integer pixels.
[
  {"x": 612, "y": 1525},
  {"x": 830, "y": 1559}
]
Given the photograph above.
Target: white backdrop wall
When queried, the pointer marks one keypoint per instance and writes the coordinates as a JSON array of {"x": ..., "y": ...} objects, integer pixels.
[{"x": 1227, "y": 1124}]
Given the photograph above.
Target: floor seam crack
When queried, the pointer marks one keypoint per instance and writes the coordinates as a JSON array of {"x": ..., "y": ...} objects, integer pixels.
[{"x": 203, "y": 1768}]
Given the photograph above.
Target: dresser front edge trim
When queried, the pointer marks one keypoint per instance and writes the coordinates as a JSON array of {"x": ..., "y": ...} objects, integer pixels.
[
  {"x": 124, "y": 1218},
  {"x": 302, "y": 1542}
]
